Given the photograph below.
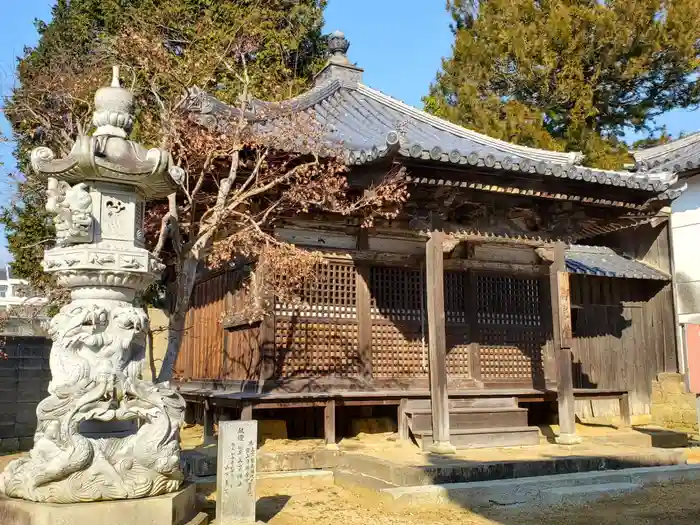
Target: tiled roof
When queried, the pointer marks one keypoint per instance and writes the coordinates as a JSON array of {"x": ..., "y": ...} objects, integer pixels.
[
  {"x": 372, "y": 126},
  {"x": 603, "y": 261},
  {"x": 680, "y": 156}
]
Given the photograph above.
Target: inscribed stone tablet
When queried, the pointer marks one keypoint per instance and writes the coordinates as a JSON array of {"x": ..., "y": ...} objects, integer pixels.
[{"x": 235, "y": 476}]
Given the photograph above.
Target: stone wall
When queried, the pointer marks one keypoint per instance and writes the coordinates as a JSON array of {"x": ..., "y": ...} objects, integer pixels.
[
  {"x": 158, "y": 322},
  {"x": 672, "y": 406},
  {"x": 24, "y": 378}
]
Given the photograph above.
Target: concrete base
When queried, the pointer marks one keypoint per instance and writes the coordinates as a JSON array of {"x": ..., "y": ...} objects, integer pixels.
[
  {"x": 568, "y": 439},
  {"x": 543, "y": 490},
  {"x": 237, "y": 522},
  {"x": 177, "y": 508},
  {"x": 442, "y": 447},
  {"x": 200, "y": 519},
  {"x": 584, "y": 493}
]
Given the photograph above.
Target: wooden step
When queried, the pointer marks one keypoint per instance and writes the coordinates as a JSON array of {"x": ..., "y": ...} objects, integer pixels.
[
  {"x": 471, "y": 418},
  {"x": 486, "y": 437},
  {"x": 474, "y": 402}
]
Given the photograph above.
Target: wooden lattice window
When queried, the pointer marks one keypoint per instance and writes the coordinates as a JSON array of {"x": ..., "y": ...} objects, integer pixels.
[
  {"x": 397, "y": 293},
  {"x": 509, "y": 327},
  {"x": 320, "y": 335},
  {"x": 457, "y": 330},
  {"x": 331, "y": 295},
  {"x": 457, "y": 297},
  {"x": 399, "y": 324},
  {"x": 506, "y": 300},
  {"x": 510, "y": 354}
]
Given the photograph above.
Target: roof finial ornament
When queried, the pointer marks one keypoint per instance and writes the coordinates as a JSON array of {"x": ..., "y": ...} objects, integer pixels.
[
  {"x": 114, "y": 109},
  {"x": 338, "y": 45},
  {"x": 338, "y": 67},
  {"x": 115, "y": 76}
]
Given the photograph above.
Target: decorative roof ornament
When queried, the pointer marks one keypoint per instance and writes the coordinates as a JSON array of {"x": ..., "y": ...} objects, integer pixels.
[
  {"x": 108, "y": 155},
  {"x": 114, "y": 109},
  {"x": 338, "y": 45},
  {"x": 338, "y": 66}
]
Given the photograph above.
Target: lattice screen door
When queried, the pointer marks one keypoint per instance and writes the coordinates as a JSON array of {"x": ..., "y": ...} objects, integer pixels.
[
  {"x": 509, "y": 327},
  {"x": 320, "y": 337}
]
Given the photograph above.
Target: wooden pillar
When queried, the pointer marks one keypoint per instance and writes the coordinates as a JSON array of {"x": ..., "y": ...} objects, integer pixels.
[
  {"x": 625, "y": 410},
  {"x": 401, "y": 418},
  {"x": 363, "y": 303},
  {"x": 561, "y": 337},
  {"x": 247, "y": 411},
  {"x": 329, "y": 424},
  {"x": 437, "y": 345},
  {"x": 208, "y": 423}
]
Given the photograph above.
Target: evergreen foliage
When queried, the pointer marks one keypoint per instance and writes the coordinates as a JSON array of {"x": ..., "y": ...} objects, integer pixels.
[{"x": 568, "y": 74}]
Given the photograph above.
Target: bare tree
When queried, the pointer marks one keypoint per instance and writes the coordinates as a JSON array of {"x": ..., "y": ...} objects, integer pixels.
[
  {"x": 241, "y": 174},
  {"x": 240, "y": 178}
]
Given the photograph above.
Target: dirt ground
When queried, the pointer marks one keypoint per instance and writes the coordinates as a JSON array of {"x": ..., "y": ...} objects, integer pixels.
[
  {"x": 317, "y": 501},
  {"x": 311, "y": 501},
  {"x": 305, "y": 502}
]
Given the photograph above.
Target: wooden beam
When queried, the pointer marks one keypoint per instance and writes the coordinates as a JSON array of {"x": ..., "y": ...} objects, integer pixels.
[
  {"x": 437, "y": 345},
  {"x": 408, "y": 260},
  {"x": 562, "y": 336}
]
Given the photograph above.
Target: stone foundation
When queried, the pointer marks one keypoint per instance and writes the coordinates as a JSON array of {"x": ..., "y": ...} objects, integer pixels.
[
  {"x": 177, "y": 508},
  {"x": 672, "y": 406}
]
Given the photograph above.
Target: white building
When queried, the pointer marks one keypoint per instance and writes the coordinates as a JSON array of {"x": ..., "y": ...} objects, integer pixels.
[
  {"x": 25, "y": 308},
  {"x": 683, "y": 157}
]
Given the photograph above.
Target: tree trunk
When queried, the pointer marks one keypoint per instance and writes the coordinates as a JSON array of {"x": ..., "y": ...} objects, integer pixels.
[{"x": 178, "y": 317}]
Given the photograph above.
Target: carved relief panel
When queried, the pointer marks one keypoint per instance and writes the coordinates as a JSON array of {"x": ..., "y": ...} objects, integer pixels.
[{"x": 118, "y": 216}]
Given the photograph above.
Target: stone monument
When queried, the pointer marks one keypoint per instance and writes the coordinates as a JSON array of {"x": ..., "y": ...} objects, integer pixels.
[
  {"x": 81, "y": 453},
  {"x": 236, "y": 472}
]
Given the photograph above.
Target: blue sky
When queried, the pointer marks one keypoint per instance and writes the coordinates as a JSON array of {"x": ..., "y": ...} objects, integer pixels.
[{"x": 399, "y": 43}]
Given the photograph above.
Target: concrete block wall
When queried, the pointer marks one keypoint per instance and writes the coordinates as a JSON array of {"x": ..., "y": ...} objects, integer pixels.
[
  {"x": 672, "y": 406},
  {"x": 24, "y": 379}
]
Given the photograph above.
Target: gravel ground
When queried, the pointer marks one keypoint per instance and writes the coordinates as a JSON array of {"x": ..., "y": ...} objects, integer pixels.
[{"x": 298, "y": 502}]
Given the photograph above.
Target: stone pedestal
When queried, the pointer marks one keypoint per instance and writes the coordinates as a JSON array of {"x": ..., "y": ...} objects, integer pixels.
[{"x": 176, "y": 508}]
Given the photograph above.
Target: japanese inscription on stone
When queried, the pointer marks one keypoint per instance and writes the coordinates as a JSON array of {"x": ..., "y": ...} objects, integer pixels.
[{"x": 235, "y": 480}]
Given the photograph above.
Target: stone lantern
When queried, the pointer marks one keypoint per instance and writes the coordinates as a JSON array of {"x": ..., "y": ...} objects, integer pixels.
[{"x": 81, "y": 453}]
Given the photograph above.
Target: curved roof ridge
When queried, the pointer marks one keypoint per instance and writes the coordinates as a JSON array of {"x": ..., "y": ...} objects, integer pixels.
[
  {"x": 304, "y": 100},
  {"x": 522, "y": 151},
  {"x": 641, "y": 155}
]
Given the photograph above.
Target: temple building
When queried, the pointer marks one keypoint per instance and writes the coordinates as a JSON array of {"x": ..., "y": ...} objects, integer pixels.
[
  {"x": 681, "y": 156},
  {"x": 516, "y": 284}
]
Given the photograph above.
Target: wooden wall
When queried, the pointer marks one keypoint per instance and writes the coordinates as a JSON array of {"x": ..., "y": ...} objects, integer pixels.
[
  {"x": 623, "y": 337},
  {"x": 210, "y": 352},
  {"x": 636, "y": 336},
  {"x": 497, "y": 324},
  {"x": 496, "y": 332}
]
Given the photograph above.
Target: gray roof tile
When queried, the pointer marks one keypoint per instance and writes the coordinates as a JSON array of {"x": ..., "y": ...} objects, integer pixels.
[
  {"x": 681, "y": 155},
  {"x": 371, "y": 126},
  {"x": 603, "y": 261}
]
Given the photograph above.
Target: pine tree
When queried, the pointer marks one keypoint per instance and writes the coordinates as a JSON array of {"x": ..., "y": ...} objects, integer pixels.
[{"x": 568, "y": 74}]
